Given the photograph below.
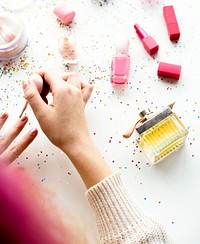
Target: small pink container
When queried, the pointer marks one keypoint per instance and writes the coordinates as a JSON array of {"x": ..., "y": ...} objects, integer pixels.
[
  {"x": 64, "y": 14},
  {"x": 13, "y": 38},
  {"x": 120, "y": 65},
  {"x": 120, "y": 69}
]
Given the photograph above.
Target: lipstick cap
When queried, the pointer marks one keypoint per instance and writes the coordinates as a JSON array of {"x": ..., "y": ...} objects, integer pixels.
[
  {"x": 171, "y": 23},
  {"x": 169, "y": 70}
]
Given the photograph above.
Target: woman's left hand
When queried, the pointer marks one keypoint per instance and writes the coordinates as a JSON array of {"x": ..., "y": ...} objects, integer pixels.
[{"x": 9, "y": 148}]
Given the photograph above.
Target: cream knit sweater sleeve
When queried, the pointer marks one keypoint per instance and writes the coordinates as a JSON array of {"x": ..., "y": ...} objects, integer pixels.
[{"x": 118, "y": 218}]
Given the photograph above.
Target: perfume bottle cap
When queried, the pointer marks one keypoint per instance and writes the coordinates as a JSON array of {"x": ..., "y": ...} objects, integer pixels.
[
  {"x": 154, "y": 119},
  {"x": 144, "y": 113},
  {"x": 148, "y": 115},
  {"x": 122, "y": 46}
]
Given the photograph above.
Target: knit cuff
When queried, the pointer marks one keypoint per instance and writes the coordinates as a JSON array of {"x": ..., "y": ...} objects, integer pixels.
[{"x": 118, "y": 217}]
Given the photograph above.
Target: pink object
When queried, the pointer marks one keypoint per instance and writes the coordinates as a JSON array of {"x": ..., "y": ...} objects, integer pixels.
[
  {"x": 171, "y": 23},
  {"x": 64, "y": 14},
  {"x": 67, "y": 48},
  {"x": 6, "y": 33},
  {"x": 148, "y": 42},
  {"x": 37, "y": 79},
  {"x": 27, "y": 211},
  {"x": 120, "y": 63},
  {"x": 169, "y": 70}
]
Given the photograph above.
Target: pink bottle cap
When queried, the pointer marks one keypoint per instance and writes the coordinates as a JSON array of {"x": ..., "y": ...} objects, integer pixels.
[
  {"x": 64, "y": 14},
  {"x": 169, "y": 70}
]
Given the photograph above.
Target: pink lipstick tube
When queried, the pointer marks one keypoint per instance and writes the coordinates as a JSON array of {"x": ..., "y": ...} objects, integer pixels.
[
  {"x": 171, "y": 23},
  {"x": 148, "y": 42}
]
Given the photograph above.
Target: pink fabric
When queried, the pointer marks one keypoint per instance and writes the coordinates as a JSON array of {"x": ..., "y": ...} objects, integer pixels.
[{"x": 23, "y": 214}]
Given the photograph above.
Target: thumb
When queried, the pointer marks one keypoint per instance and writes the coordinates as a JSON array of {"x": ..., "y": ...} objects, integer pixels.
[{"x": 34, "y": 99}]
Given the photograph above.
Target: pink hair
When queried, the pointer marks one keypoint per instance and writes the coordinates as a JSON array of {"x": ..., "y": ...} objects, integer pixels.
[{"x": 25, "y": 216}]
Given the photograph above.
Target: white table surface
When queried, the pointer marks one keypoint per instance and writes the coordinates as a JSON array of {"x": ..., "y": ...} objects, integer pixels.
[{"x": 169, "y": 190}]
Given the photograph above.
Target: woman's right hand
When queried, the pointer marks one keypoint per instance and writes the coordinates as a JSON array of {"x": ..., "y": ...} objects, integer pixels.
[{"x": 63, "y": 121}]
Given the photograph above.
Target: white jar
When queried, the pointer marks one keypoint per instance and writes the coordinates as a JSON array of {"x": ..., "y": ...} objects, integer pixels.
[{"x": 13, "y": 38}]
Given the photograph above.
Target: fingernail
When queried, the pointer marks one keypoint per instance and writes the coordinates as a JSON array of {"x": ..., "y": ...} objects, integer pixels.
[
  {"x": 33, "y": 132},
  {"x": 25, "y": 83},
  {"x": 24, "y": 118},
  {"x": 3, "y": 115}
]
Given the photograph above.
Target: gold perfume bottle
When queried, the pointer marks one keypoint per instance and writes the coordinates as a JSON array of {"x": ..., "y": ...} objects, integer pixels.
[{"x": 159, "y": 134}]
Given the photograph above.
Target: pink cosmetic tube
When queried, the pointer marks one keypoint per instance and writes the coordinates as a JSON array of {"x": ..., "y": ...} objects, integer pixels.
[
  {"x": 64, "y": 14},
  {"x": 171, "y": 23},
  {"x": 148, "y": 42},
  {"x": 169, "y": 70}
]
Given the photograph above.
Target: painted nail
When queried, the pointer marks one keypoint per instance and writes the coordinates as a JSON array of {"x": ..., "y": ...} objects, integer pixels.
[
  {"x": 3, "y": 115},
  {"x": 33, "y": 132},
  {"x": 24, "y": 118},
  {"x": 25, "y": 83}
]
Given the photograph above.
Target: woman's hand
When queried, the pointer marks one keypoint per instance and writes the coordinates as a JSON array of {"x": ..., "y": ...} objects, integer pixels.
[
  {"x": 9, "y": 148},
  {"x": 63, "y": 121}
]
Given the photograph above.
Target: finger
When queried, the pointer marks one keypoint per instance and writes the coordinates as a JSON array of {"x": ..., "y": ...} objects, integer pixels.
[
  {"x": 32, "y": 95},
  {"x": 14, "y": 131},
  {"x": 72, "y": 78},
  {"x": 51, "y": 78},
  {"x": 16, "y": 148},
  {"x": 86, "y": 90},
  {"x": 65, "y": 76},
  {"x": 3, "y": 118}
]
